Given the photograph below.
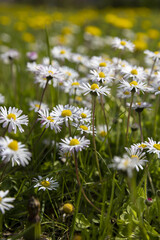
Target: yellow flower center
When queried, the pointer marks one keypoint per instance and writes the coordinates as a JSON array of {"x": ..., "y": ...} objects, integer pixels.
[
  {"x": 123, "y": 43},
  {"x": 66, "y": 113},
  {"x": 134, "y": 156},
  {"x": 126, "y": 93},
  {"x": 83, "y": 115},
  {"x": 102, "y": 75},
  {"x": 103, "y": 134},
  {"x": 83, "y": 127},
  {"x": 37, "y": 105},
  {"x": 50, "y": 118},
  {"x": 94, "y": 86},
  {"x": 156, "y": 52},
  {"x": 44, "y": 79},
  {"x": 75, "y": 84},
  {"x": 143, "y": 145},
  {"x": 45, "y": 183},
  {"x": 78, "y": 98},
  {"x": 11, "y": 115},
  {"x": 50, "y": 72},
  {"x": 13, "y": 145},
  {"x": 68, "y": 208},
  {"x": 68, "y": 73},
  {"x": 0, "y": 199},
  {"x": 62, "y": 52},
  {"x": 126, "y": 162},
  {"x": 134, "y": 83},
  {"x": 79, "y": 58},
  {"x": 74, "y": 142},
  {"x": 157, "y": 146},
  {"x": 139, "y": 103},
  {"x": 159, "y": 88},
  {"x": 134, "y": 72},
  {"x": 102, "y": 64}
]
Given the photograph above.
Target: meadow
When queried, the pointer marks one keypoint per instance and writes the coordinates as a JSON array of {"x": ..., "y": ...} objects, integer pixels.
[{"x": 79, "y": 117}]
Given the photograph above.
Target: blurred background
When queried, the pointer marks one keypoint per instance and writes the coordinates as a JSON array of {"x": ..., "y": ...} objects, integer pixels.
[{"x": 93, "y": 3}]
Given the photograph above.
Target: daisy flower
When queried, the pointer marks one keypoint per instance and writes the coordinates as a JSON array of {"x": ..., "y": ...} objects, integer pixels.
[
  {"x": 71, "y": 86},
  {"x": 84, "y": 115},
  {"x": 102, "y": 75},
  {"x": 34, "y": 105},
  {"x": 14, "y": 151},
  {"x": 153, "y": 146},
  {"x": 102, "y": 131},
  {"x": 122, "y": 44},
  {"x": 61, "y": 52},
  {"x": 137, "y": 155},
  {"x": 133, "y": 72},
  {"x": 32, "y": 67},
  {"x": 74, "y": 144},
  {"x": 84, "y": 128},
  {"x": 69, "y": 73},
  {"x": 134, "y": 86},
  {"x": 139, "y": 106},
  {"x": 13, "y": 119},
  {"x": 79, "y": 58},
  {"x": 154, "y": 55},
  {"x": 2, "y": 98},
  {"x": 49, "y": 71},
  {"x": 32, "y": 56},
  {"x": 44, "y": 184},
  {"x": 5, "y": 201},
  {"x": 41, "y": 81},
  {"x": 64, "y": 113},
  {"x": 156, "y": 87},
  {"x": 94, "y": 89},
  {"x": 47, "y": 120},
  {"x": 10, "y": 55},
  {"x": 99, "y": 62},
  {"x": 121, "y": 93}
]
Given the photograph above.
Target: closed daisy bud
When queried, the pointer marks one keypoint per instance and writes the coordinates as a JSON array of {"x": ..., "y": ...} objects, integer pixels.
[{"x": 68, "y": 208}]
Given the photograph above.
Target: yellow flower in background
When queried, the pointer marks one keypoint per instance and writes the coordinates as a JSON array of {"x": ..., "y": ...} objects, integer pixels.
[
  {"x": 66, "y": 30},
  {"x": 28, "y": 37},
  {"x": 146, "y": 24},
  {"x": 140, "y": 44},
  {"x": 4, "y": 20},
  {"x": 20, "y": 26},
  {"x": 153, "y": 33},
  {"x": 93, "y": 30}
]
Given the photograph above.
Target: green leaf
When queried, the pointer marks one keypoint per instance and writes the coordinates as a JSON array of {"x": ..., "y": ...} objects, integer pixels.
[{"x": 81, "y": 222}]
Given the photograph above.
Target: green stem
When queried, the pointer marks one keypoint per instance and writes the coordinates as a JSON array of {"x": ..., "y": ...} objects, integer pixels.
[
  {"x": 106, "y": 122},
  {"x": 129, "y": 113},
  {"x": 140, "y": 125},
  {"x": 94, "y": 141},
  {"x": 52, "y": 203}
]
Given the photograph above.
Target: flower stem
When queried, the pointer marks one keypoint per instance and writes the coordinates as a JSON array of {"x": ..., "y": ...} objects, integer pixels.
[
  {"x": 140, "y": 125},
  {"x": 52, "y": 203},
  {"x": 80, "y": 185},
  {"x": 129, "y": 114},
  {"x": 94, "y": 141},
  {"x": 106, "y": 122}
]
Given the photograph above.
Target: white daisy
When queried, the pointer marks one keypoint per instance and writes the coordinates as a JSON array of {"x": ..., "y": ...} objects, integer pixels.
[
  {"x": 32, "y": 56},
  {"x": 84, "y": 128},
  {"x": 84, "y": 115},
  {"x": 9, "y": 56},
  {"x": 35, "y": 105},
  {"x": 99, "y": 62},
  {"x": 156, "y": 87},
  {"x": 71, "y": 86},
  {"x": 79, "y": 58},
  {"x": 122, "y": 44},
  {"x": 139, "y": 106},
  {"x": 105, "y": 75},
  {"x": 32, "y": 67},
  {"x": 41, "y": 81},
  {"x": 102, "y": 131},
  {"x": 54, "y": 63},
  {"x": 14, "y": 151},
  {"x": 134, "y": 85},
  {"x": 133, "y": 72},
  {"x": 137, "y": 155},
  {"x": 49, "y": 72},
  {"x": 94, "y": 89},
  {"x": 5, "y": 201},
  {"x": 153, "y": 146},
  {"x": 64, "y": 113},
  {"x": 45, "y": 183},
  {"x": 47, "y": 120},
  {"x": 69, "y": 73},
  {"x": 13, "y": 119},
  {"x": 154, "y": 55},
  {"x": 2, "y": 98},
  {"x": 74, "y": 144},
  {"x": 61, "y": 52},
  {"x": 121, "y": 93}
]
